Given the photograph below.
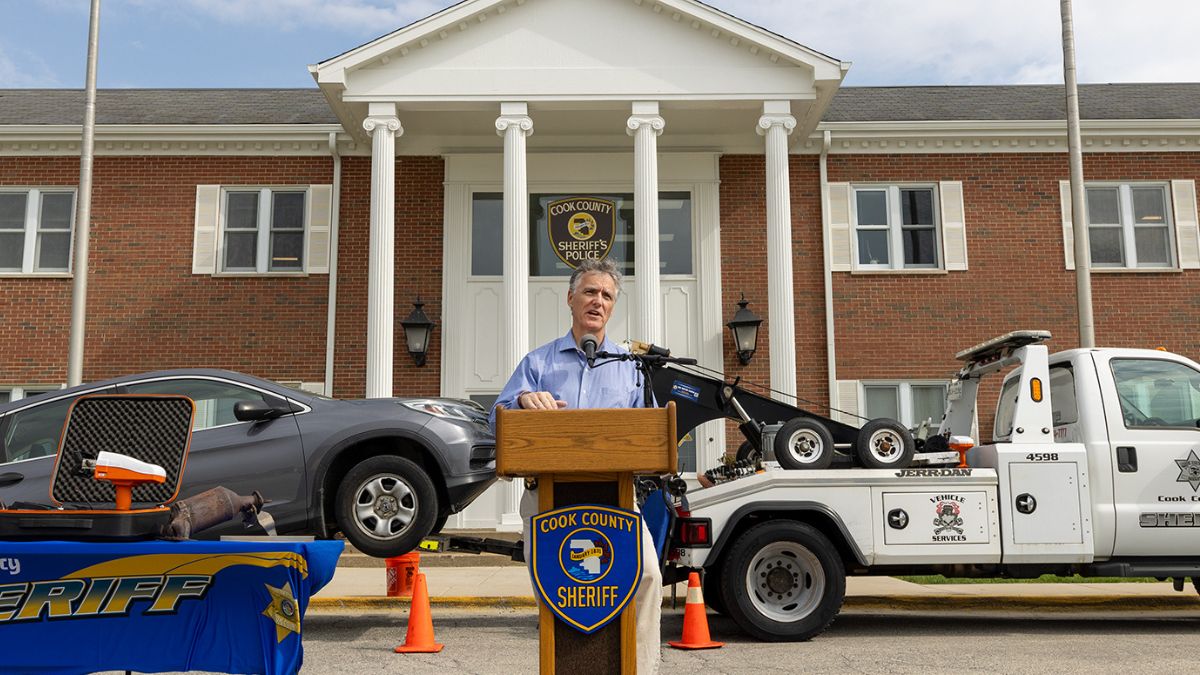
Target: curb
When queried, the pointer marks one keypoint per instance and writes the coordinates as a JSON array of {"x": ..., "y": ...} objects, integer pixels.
[
  {"x": 1020, "y": 603},
  {"x": 912, "y": 603},
  {"x": 389, "y": 603}
]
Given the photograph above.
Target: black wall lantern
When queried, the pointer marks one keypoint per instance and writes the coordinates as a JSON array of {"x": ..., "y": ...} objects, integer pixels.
[
  {"x": 417, "y": 330},
  {"x": 744, "y": 326}
]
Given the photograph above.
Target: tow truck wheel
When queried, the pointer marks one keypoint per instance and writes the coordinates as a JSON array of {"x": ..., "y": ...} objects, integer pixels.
[
  {"x": 712, "y": 592},
  {"x": 884, "y": 444},
  {"x": 783, "y": 582},
  {"x": 803, "y": 443},
  {"x": 745, "y": 451}
]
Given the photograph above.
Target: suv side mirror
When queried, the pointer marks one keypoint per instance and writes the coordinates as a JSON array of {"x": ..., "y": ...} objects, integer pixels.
[{"x": 256, "y": 411}]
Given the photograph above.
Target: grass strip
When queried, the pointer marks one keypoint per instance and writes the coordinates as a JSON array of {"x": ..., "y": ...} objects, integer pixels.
[{"x": 933, "y": 579}]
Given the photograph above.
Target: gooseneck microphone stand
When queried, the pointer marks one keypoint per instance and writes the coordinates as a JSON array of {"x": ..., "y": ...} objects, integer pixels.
[{"x": 646, "y": 363}]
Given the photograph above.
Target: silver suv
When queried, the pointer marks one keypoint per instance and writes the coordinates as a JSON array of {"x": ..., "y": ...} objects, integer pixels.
[{"x": 385, "y": 472}]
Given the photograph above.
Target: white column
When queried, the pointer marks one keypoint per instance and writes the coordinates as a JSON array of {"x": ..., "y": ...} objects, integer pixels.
[
  {"x": 776, "y": 124},
  {"x": 515, "y": 125},
  {"x": 645, "y": 125},
  {"x": 383, "y": 126}
]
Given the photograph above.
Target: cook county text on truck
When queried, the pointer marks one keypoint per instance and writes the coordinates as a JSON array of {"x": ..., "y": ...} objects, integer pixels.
[{"x": 1094, "y": 470}]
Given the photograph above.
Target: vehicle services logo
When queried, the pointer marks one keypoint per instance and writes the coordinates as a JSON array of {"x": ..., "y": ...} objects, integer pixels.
[{"x": 587, "y": 562}]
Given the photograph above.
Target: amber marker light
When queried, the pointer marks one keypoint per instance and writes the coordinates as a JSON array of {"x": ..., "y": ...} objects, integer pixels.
[{"x": 1035, "y": 390}]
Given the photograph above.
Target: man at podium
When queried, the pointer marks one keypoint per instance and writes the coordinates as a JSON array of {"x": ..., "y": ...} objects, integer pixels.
[{"x": 557, "y": 375}]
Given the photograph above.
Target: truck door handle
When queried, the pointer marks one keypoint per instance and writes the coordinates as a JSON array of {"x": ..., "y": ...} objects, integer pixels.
[
  {"x": 11, "y": 478},
  {"x": 1126, "y": 459}
]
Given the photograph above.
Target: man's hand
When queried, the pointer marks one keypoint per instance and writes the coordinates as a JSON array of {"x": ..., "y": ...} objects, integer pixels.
[{"x": 539, "y": 400}]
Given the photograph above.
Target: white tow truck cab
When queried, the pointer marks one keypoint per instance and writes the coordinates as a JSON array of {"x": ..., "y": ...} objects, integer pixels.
[{"x": 1094, "y": 470}]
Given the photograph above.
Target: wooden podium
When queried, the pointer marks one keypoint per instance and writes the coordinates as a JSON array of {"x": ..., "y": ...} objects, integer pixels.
[{"x": 586, "y": 457}]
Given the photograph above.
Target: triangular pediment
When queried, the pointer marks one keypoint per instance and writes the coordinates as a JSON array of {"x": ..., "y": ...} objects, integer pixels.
[{"x": 565, "y": 51}]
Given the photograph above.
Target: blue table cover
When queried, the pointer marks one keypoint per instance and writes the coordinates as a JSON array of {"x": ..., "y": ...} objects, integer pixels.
[{"x": 234, "y": 607}]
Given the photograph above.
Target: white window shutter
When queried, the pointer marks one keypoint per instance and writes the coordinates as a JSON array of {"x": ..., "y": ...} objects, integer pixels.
[
  {"x": 1064, "y": 192},
  {"x": 204, "y": 236},
  {"x": 954, "y": 226},
  {"x": 847, "y": 402},
  {"x": 1187, "y": 227},
  {"x": 838, "y": 221},
  {"x": 320, "y": 212}
]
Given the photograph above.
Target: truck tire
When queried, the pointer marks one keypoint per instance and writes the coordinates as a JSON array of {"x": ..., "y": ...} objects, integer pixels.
[
  {"x": 803, "y": 443},
  {"x": 745, "y": 451},
  {"x": 386, "y": 505},
  {"x": 712, "y": 592},
  {"x": 884, "y": 444},
  {"x": 783, "y": 581}
]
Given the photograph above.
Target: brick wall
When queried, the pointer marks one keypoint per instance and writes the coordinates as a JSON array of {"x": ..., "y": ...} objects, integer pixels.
[
  {"x": 909, "y": 326},
  {"x": 147, "y": 311},
  {"x": 744, "y": 270},
  {"x": 419, "y": 216}
]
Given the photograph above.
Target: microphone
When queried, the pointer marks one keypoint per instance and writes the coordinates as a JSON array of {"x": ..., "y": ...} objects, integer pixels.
[
  {"x": 637, "y": 347},
  {"x": 589, "y": 344}
]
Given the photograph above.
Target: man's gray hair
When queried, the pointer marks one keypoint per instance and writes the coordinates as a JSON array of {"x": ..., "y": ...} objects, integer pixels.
[{"x": 605, "y": 266}]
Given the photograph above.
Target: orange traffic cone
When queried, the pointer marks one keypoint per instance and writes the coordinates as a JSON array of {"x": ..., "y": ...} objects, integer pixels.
[
  {"x": 419, "y": 639},
  {"x": 695, "y": 619}
]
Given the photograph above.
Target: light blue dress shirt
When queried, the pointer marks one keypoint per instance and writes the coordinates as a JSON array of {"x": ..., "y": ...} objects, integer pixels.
[{"x": 560, "y": 368}]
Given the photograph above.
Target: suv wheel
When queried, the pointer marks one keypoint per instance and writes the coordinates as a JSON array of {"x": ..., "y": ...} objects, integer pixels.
[{"x": 385, "y": 506}]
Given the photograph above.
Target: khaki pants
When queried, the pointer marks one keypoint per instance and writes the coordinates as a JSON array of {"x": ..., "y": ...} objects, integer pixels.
[{"x": 648, "y": 600}]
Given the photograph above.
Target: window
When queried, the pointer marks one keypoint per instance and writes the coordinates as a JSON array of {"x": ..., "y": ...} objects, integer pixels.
[
  {"x": 214, "y": 398},
  {"x": 35, "y": 230},
  {"x": 1006, "y": 408},
  {"x": 895, "y": 228},
  {"x": 1157, "y": 393},
  {"x": 1129, "y": 226},
  {"x": 16, "y": 393},
  {"x": 487, "y": 234},
  {"x": 263, "y": 230},
  {"x": 908, "y": 402},
  {"x": 34, "y": 431},
  {"x": 1063, "y": 405}
]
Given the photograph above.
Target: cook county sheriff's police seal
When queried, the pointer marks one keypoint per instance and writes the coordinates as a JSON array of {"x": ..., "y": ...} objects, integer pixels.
[
  {"x": 587, "y": 562},
  {"x": 581, "y": 228}
]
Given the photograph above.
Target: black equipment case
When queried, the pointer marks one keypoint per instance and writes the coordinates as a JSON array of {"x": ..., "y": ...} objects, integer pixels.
[{"x": 150, "y": 428}]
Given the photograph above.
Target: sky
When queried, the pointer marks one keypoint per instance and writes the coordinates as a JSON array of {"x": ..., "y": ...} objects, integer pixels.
[{"x": 269, "y": 43}]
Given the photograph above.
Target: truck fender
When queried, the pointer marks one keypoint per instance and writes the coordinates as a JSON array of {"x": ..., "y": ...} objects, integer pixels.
[{"x": 787, "y": 508}]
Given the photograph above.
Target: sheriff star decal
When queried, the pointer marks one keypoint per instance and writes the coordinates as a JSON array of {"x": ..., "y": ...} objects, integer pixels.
[
  {"x": 1189, "y": 470},
  {"x": 283, "y": 610}
]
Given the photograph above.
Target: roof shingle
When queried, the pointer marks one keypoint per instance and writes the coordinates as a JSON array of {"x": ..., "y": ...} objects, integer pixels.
[{"x": 851, "y": 104}]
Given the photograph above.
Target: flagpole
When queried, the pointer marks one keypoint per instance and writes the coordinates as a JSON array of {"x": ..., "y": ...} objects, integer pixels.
[
  {"x": 1083, "y": 253},
  {"x": 83, "y": 212}
]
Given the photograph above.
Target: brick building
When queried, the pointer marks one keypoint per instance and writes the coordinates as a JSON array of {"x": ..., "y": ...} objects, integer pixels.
[{"x": 285, "y": 233}]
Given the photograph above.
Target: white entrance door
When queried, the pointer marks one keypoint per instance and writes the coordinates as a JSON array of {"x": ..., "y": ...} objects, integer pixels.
[{"x": 473, "y": 359}]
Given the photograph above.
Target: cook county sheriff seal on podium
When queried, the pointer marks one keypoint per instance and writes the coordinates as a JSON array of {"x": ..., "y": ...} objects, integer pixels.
[{"x": 587, "y": 561}]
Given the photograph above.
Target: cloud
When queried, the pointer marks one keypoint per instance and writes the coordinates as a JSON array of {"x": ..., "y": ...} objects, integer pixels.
[
  {"x": 20, "y": 69},
  {"x": 982, "y": 41},
  {"x": 351, "y": 16}
]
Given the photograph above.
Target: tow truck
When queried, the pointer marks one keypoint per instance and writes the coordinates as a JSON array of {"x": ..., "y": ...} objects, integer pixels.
[{"x": 1094, "y": 470}]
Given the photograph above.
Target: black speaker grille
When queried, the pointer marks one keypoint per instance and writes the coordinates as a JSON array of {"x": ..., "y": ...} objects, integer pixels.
[{"x": 153, "y": 429}]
